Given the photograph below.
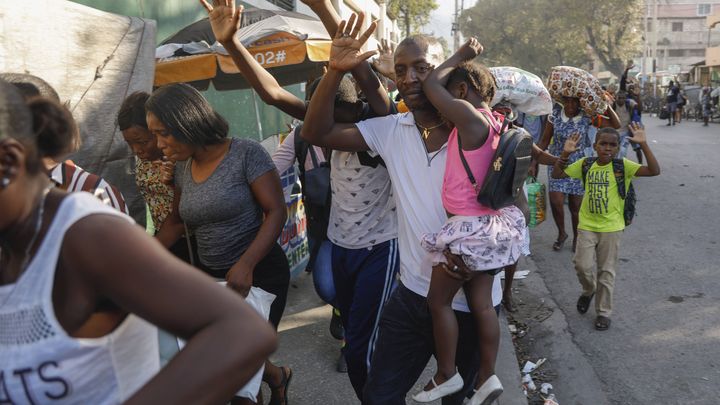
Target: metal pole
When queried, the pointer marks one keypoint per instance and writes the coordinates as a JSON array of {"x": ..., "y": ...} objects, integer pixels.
[
  {"x": 456, "y": 28},
  {"x": 654, "y": 45},
  {"x": 257, "y": 116},
  {"x": 643, "y": 61}
]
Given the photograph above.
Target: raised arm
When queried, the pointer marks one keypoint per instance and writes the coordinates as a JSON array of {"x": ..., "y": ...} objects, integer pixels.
[
  {"x": 366, "y": 79},
  {"x": 458, "y": 111},
  {"x": 571, "y": 145},
  {"x": 320, "y": 127},
  {"x": 614, "y": 121},
  {"x": 225, "y": 21},
  {"x": 639, "y": 137},
  {"x": 623, "y": 78},
  {"x": 384, "y": 63}
]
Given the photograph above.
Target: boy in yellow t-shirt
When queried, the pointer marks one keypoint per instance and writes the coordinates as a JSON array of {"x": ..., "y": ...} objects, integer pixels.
[{"x": 601, "y": 214}]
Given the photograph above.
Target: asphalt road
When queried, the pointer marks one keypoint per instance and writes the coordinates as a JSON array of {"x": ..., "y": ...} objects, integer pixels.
[{"x": 664, "y": 343}]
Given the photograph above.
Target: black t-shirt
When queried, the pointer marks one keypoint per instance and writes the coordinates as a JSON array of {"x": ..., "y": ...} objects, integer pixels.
[{"x": 672, "y": 96}]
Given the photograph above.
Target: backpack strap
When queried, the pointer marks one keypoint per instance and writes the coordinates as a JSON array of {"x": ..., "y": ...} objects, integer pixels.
[
  {"x": 494, "y": 123},
  {"x": 619, "y": 171},
  {"x": 467, "y": 166},
  {"x": 301, "y": 151},
  {"x": 586, "y": 165}
]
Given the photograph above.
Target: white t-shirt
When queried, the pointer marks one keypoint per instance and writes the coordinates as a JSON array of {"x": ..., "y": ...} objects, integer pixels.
[
  {"x": 417, "y": 178},
  {"x": 362, "y": 213}
]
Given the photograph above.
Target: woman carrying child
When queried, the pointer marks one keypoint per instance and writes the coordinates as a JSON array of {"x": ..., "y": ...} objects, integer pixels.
[{"x": 486, "y": 239}]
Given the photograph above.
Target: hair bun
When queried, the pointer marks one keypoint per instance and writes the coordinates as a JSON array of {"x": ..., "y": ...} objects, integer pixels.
[{"x": 55, "y": 129}]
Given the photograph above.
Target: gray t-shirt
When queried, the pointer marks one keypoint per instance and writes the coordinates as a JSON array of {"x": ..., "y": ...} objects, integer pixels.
[{"x": 222, "y": 210}]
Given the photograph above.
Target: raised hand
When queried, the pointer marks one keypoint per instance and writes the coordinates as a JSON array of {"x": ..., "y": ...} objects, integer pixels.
[
  {"x": 385, "y": 63},
  {"x": 470, "y": 49},
  {"x": 224, "y": 18},
  {"x": 571, "y": 144},
  {"x": 345, "y": 53},
  {"x": 638, "y": 133},
  {"x": 609, "y": 98}
]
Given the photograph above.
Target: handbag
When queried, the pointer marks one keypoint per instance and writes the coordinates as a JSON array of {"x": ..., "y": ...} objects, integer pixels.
[
  {"x": 316, "y": 181},
  {"x": 536, "y": 201}
]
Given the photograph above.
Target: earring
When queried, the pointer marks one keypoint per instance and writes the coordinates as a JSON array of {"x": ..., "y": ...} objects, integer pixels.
[{"x": 4, "y": 182}]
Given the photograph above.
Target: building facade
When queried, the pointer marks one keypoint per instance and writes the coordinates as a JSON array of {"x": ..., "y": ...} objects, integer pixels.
[{"x": 680, "y": 30}]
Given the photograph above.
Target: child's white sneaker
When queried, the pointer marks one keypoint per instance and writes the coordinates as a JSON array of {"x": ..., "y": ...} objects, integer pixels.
[
  {"x": 451, "y": 386},
  {"x": 488, "y": 392}
]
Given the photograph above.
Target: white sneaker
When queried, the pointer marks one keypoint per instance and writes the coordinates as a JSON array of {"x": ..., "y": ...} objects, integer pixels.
[
  {"x": 488, "y": 392},
  {"x": 450, "y": 386}
]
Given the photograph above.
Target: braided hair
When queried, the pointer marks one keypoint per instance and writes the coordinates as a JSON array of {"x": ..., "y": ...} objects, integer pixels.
[{"x": 477, "y": 76}]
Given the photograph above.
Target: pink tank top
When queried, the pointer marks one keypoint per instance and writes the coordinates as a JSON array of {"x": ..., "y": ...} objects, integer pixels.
[{"x": 458, "y": 195}]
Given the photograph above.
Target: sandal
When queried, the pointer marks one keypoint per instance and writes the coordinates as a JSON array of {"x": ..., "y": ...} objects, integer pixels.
[
  {"x": 284, "y": 384},
  {"x": 559, "y": 243},
  {"x": 583, "y": 303},
  {"x": 602, "y": 322}
]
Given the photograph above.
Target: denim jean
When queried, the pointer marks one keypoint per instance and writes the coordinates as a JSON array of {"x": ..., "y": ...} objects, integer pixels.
[{"x": 322, "y": 270}]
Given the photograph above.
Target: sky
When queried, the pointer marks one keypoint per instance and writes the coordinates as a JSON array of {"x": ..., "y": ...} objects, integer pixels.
[{"x": 441, "y": 19}]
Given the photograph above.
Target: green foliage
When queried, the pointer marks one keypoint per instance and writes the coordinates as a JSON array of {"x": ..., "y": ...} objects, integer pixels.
[
  {"x": 411, "y": 14},
  {"x": 537, "y": 34}
]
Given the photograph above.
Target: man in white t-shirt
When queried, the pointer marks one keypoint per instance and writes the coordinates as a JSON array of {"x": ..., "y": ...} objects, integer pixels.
[{"x": 416, "y": 164}]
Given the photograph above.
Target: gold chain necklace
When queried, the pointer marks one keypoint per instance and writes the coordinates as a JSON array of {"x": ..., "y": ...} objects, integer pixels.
[{"x": 426, "y": 130}]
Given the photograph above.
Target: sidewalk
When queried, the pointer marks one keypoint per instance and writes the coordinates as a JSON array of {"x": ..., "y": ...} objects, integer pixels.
[{"x": 307, "y": 347}]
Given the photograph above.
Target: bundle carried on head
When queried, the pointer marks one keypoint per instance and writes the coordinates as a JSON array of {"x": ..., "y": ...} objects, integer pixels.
[
  {"x": 568, "y": 81},
  {"x": 525, "y": 91}
]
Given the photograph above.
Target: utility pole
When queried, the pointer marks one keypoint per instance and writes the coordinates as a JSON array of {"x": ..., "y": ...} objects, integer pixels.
[
  {"x": 455, "y": 30},
  {"x": 654, "y": 45}
]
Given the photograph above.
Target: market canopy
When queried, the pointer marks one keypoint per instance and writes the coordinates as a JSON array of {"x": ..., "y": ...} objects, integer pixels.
[
  {"x": 94, "y": 60},
  {"x": 290, "y": 45}
]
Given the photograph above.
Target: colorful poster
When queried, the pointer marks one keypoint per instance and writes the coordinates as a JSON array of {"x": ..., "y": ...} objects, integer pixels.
[{"x": 293, "y": 238}]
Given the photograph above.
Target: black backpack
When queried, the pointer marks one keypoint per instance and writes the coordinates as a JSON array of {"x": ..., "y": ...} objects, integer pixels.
[
  {"x": 315, "y": 188},
  {"x": 619, "y": 172},
  {"x": 508, "y": 168}
]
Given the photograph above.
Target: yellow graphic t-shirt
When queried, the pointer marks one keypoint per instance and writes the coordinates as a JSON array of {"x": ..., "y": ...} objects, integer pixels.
[{"x": 602, "y": 208}]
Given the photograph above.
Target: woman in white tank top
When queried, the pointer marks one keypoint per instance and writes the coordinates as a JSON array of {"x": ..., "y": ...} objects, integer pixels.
[{"x": 78, "y": 282}]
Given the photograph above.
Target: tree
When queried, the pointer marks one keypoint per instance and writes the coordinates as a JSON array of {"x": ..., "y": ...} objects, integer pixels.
[
  {"x": 536, "y": 35},
  {"x": 613, "y": 30},
  {"x": 411, "y": 14}
]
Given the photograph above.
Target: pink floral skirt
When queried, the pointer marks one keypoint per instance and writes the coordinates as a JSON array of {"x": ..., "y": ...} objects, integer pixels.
[{"x": 485, "y": 243}]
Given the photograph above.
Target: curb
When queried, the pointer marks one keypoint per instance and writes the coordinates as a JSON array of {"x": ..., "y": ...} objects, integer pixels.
[
  {"x": 575, "y": 381},
  {"x": 507, "y": 368}
]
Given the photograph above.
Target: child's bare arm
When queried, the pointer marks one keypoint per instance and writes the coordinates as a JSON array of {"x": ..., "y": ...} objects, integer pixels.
[
  {"x": 543, "y": 157},
  {"x": 639, "y": 137},
  {"x": 562, "y": 161},
  {"x": 460, "y": 112}
]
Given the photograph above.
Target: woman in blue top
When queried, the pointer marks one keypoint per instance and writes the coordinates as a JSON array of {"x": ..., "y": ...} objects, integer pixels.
[{"x": 566, "y": 119}]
